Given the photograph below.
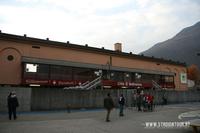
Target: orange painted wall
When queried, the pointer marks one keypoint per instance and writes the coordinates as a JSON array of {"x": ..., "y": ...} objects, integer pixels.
[
  {"x": 10, "y": 71},
  {"x": 136, "y": 63}
]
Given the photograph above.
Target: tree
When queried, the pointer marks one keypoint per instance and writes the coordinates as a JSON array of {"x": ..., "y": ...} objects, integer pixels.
[{"x": 193, "y": 72}]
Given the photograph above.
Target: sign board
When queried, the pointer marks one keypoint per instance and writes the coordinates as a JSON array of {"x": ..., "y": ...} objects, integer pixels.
[{"x": 183, "y": 77}]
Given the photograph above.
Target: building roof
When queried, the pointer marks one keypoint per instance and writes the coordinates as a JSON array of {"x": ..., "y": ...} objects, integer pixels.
[{"x": 47, "y": 42}]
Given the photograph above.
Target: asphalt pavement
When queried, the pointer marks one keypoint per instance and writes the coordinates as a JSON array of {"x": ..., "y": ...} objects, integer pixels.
[{"x": 164, "y": 119}]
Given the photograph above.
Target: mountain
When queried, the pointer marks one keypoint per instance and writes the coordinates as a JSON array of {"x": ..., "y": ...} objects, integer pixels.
[{"x": 183, "y": 47}]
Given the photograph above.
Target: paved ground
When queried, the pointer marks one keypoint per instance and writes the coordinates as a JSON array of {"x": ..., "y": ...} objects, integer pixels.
[{"x": 93, "y": 121}]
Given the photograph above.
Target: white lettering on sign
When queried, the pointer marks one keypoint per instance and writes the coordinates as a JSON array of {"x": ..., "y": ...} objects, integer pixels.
[{"x": 129, "y": 84}]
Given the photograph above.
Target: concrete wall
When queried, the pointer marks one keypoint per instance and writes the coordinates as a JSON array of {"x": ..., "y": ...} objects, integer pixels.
[
  {"x": 56, "y": 98},
  {"x": 23, "y": 95}
]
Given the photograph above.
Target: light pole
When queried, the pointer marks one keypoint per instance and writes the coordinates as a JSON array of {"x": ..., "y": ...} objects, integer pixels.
[{"x": 108, "y": 70}]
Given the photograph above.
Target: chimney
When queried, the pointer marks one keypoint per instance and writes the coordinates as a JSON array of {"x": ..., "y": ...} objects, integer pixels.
[{"x": 118, "y": 47}]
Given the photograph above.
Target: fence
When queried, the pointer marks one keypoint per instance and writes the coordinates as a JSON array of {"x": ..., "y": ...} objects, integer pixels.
[{"x": 57, "y": 98}]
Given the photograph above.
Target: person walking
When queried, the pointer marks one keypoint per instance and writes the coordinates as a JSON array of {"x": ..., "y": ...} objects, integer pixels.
[
  {"x": 108, "y": 105},
  {"x": 12, "y": 105},
  {"x": 150, "y": 102},
  {"x": 121, "y": 105},
  {"x": 139, "y": 101}
]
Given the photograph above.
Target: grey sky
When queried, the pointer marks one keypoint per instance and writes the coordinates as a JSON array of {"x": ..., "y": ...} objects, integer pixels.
[{"x": 137, "y": 24}]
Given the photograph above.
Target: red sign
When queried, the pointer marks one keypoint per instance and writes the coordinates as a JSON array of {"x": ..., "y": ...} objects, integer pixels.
[
  {"x": 53, "y": 82},
  {"x": 32, "y": 81},
  {"x": 68, "y": 83},
  {"x": 129, "y": 84},
  {"x": 111, "y": 83}
]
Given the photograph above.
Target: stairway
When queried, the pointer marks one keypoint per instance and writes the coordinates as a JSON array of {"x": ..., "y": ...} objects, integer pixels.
[
  {"x": 87, "y": 85},
  {"x": 156, "y": 85}
]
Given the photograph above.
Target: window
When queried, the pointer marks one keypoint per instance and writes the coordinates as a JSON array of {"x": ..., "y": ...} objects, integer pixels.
[
  {"x": 127, "y": 76},
  {"x": 84, "y": 74},
  {"x": 148, "y": 77},
  {"x": 138, "y": 77},
  {"x": 66, "y": 73},
  {"x": 117, "y": 76},
  {"x": 166, "y": 79},
  {"x": 36, "y": 71},
  {"x": 55, "y": 72},
  {"x": 98, "y": 72},
  {"x": 169, "y": 79},
  {"x": 31, "y": 68},
  {"x": 10, "y": 57},
  {"x": 61, "y": 72},
  {"x": 105, "y": 74},
  {"x": 42, "y": 71}
]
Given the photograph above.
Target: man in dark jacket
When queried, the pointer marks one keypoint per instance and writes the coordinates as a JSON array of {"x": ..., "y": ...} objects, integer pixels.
[
  {"x": 12, "y": 105},
  {"x": 139, "y": 101},
  {"x": 121, "y": 105},
  {"x": 109, "y": 105}
]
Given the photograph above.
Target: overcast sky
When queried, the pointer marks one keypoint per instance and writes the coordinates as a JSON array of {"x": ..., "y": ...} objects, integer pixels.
[{"x": 137, "y": 24}]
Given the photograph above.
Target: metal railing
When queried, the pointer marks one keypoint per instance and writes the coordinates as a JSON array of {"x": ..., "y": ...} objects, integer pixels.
[
  {"x": 86, "y": 86},
  {"x": 156, "y": 85}
]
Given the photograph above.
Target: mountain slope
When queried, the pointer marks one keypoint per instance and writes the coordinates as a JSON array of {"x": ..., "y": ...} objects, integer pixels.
[{"x": 183, "y": 47}]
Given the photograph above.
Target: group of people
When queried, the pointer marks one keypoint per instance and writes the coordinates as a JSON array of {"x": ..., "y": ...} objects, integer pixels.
[
  {"x": 144, "y": 101},
  {"x": 109, "y": 105}
]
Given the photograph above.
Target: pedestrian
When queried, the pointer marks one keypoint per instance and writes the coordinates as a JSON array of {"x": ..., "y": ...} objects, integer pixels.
[
  {"x": 134, "y": 99},
  {"x": 12, "y": 105},
  {"x": 151, "y": 98},
  {"x": 139, "y": 101},
  {"x": 164, "y": 100},
  {"x": 108, "y": 105},
  {"x": 121, "y": 105},
  {"x": 144, "y": 101}
]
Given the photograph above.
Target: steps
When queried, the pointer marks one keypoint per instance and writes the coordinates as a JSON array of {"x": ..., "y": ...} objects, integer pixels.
[
  {"x": 156, "y": 85},
  {"x": 87, "y": 85}
]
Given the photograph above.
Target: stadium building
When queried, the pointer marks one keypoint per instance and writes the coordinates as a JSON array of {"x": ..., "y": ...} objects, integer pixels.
[{"x": 27, "y": 61}]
